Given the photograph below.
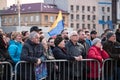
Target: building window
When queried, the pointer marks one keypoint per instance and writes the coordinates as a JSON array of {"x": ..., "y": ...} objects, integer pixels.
[
  {"x": 88, "y": 8},
  {"x": 72, "y": 25},
  {"x": 94, "y": 26},
  {"x": 77, "y": 8},
  {"x": 10, "y": 20},
  {"x": 5, "y": 20},
  {"x": 31, "y": 18},
  {"x": 83, "y": 26},
  {"x": 77, "y": 26},
  {"x": 26, "y": 19},
  {"x": 71, "y": 7},
  {"x": 83, "y": 8},
  {"x": 108, "y": 9},
  {"x": 108, "y": 18},
  {"x": 103, "y": 9},
  {"x": 46, "y": 18},
  {"x": 88, "y": 26},
  {"x": 94, "y": 17},
  {"x": 94, "y": 9},
  {"x": 72, "y": 17},
  {"x": 15, "y": 19},
  {"x": 103, "y": 26},
  {"x": 103, "y": 18},
  {"x": 83, "y": 17},
  {"x": 37, "y": 18},
  {"x": 88, "y": 17},
  {"x": 51, "y": 18},
  {"x": 77, "y": 17}
]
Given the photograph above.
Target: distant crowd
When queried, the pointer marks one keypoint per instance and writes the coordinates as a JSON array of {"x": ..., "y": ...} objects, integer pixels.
[{"x": 34, "y": 47}]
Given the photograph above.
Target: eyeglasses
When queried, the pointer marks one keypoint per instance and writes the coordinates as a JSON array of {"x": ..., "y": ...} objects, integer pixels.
[
  {"x": 74, "y": 35},
  {"x": 51, "y": 42},
  {"x": 65, "y": 33}
]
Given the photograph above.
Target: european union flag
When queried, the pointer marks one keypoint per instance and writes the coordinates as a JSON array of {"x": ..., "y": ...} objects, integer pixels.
[{"x": 57, "y": 26}]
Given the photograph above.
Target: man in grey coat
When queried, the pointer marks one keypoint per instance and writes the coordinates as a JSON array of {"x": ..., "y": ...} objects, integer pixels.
[{"x": 75, "y": 49}]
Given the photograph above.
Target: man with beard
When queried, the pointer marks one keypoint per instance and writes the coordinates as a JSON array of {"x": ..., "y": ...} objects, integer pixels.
[{"x": 64, "y": 34}]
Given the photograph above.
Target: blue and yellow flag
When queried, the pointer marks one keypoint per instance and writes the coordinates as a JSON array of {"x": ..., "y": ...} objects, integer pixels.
[{"x": 57, "y": 26}]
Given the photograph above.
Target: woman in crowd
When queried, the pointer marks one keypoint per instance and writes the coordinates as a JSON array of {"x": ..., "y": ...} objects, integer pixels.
[
  {"x": 4, "y": 56},
  {"x": 96, "y": 52},
  {"x": 59, "y": 52},
  {"x": 15, "y": 46}
]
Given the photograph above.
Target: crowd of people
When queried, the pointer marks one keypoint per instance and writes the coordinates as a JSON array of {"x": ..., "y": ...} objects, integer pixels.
[{"x": 76, "y": 45}]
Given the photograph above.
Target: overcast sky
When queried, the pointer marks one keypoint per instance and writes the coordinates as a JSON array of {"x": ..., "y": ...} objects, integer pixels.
[
  {"x": 23, "y": 1},
  {"x": 31, "y": 1}
]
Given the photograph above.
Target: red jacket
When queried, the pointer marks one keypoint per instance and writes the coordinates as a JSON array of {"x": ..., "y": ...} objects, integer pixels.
[{"x": 98, "y": 54}]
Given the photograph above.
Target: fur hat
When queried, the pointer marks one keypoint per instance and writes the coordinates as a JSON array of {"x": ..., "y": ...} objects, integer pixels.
[
  {"x": 96, "y": 40},
  {"x": 58, "y": 40},
  {"x": 109, "y": 34}
]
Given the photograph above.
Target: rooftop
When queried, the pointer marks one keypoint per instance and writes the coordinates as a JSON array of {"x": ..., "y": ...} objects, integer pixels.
[{"x": 32, "y": 8}]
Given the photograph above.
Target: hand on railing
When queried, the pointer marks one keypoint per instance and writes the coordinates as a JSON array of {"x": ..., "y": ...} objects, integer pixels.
[
  {"x": 38, "y": 62},
  {"x": 79, "y": 58}
]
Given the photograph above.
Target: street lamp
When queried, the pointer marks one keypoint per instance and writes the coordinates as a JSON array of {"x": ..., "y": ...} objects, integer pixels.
[{"x": 18, "y": 5}]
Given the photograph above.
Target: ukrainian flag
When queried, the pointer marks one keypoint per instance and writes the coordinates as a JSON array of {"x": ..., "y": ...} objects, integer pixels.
[{"x": 57, "y": 26}]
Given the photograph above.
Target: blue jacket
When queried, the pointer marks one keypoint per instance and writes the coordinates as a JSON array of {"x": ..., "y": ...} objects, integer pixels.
[{"x": 15, "y": 49}]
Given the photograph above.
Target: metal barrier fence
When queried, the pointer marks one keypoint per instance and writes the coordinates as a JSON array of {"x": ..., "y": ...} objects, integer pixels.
[
  {"x": 87, "y": 69},
  {"x": 6, "y": 71},
  {"x": 111, "y": 69}
]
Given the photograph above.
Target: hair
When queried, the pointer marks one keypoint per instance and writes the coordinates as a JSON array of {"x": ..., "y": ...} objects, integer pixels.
[
  {"x": 33, "y": 34},
  {"x": 2, "y": 43},
  {"x": 80, "y": 30},
  {"x": 14, "y": 35},
  {"x": 50, "y": 39},
  {"x": 63, "y": 30},
  {"x": 24, "y": 33}
]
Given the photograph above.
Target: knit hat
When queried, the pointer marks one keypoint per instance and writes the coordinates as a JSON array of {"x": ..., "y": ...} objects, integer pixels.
[
  {"x": 58, "y": 40},
  {"x": 96, "y": 40},
  {"x": 109, "y": 34}
]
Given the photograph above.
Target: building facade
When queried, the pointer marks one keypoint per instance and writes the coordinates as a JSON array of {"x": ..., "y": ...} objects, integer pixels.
[
  {"x": 38, "y": 14},
  {"x": 118, "y": 11},
  {"x": 105, "y": 14},
  {"x": 85, "y": 13}
]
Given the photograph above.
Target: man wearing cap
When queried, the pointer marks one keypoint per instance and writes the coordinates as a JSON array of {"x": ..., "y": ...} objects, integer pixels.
[
  {"x": 112, "y": 47},
  {"x": 93, "y": 34}
]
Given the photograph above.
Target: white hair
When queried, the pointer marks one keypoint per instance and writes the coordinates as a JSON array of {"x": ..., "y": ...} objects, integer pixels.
[{"x": 33, "y": 35}]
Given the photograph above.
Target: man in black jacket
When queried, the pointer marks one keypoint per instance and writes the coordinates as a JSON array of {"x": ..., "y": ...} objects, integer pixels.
[{"x": 112, "y": 47}]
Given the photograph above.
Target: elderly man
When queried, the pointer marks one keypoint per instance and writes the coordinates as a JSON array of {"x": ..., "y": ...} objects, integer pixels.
[
  {"x": 32, "y": 52},
  {"x": 75, "y": 49}
]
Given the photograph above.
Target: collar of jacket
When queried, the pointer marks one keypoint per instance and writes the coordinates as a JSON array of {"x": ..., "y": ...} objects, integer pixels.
[
  {"x": 96, "y": 47},
  {"x": 71, "y": 43},
  {"x": 31, "y": 43},
  {"x": 81, "y": 41}
]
